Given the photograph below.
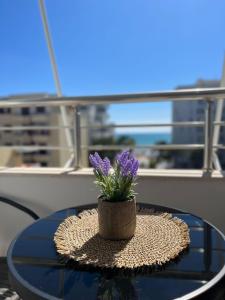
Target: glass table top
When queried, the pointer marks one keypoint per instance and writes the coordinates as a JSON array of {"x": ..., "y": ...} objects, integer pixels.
[{"x": 35, "y": 265}]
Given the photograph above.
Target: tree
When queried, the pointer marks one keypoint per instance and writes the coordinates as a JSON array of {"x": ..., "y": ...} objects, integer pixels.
[
  {"x": 164, "y": 154},
  {"x": 112, "y": 141},
  {"x": 161, "y": 155}
]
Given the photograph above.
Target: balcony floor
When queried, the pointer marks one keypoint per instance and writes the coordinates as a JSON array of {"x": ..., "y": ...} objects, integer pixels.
[{"x": 5, "y": 290}]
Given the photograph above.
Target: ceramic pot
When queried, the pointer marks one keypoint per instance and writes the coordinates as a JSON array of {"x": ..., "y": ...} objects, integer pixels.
[{"x": 117, "y": 220}]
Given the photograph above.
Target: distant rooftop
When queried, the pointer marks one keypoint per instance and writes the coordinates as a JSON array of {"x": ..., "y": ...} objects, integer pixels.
[
  {"x": 27, "y": 96},
  {"x": 201, "y": 83}
]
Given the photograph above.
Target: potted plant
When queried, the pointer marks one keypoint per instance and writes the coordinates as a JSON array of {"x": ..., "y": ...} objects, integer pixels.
[{"x": 116, "y": 203}]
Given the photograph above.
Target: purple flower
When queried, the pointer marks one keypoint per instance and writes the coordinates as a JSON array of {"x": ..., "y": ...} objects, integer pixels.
[
  {"x": 126, "y": 169},
  {"x": 106, "y": 166},
  {"x": 93, "y": 161},
  {"x": 134, "y": 168},
  {"x": 127, "y": 163},
  {"x": 98, "y": 158},
  {"x": 122, "y": 158},
  {"x": 100, "y": 165}
]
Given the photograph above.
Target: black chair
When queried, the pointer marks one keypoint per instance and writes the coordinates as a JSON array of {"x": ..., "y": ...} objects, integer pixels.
[{"x": 5, "y": 289}]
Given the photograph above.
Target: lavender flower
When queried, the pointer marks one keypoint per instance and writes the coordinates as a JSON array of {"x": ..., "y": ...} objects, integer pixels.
[
  {"x": 125, "y": 170},
  {"x": 93, "y": 161},
  {"x": 122, "y": 158},
  {"x": 98, "y": 158},
  {"x": 106, "y": 166},
  {"x": 118, "y": 184},
  {"x": 103, "y": 166},
  {"x": 134, "y": 168},
  {"x": 127, "y": 163}
]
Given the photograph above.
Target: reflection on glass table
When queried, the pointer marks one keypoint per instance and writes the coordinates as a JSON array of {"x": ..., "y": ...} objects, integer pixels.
[{"x": 37, "y": 273}]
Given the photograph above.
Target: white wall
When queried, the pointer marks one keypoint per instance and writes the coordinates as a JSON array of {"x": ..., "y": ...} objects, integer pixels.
[{"x": 45, "y": 193}]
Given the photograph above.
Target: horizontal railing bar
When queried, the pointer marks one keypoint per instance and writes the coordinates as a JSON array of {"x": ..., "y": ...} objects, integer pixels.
[
  {"x": 28, "y": 128},
  {"x": 152, "y": 147},
  {"x": 219, "y": 123},
  {"x": 115, "y": 147},
  {"x": 175, "y": 124},
  {"x": 188, "y": 94},
  {"x": 34, "y": 148},
  {"x": 222, "y": 147}
]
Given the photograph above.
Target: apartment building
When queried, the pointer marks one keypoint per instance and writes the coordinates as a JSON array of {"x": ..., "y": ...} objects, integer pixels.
[
  {"x": 193, "y": 111},
  {"x": 30, "y": 116},
  {"x": 44, "y": 117}
]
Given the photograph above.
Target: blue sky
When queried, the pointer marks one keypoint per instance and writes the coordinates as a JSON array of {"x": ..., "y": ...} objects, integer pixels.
[{"x": 116, "y": 46}]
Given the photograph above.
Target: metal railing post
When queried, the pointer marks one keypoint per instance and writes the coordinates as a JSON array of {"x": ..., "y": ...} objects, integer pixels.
[
  {"x": 77, "y": 138},
  {"x": 84, "y": 134},
  {"x": 208, "y": 146}
]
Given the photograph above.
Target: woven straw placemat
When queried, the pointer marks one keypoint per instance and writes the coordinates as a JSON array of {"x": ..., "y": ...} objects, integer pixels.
[{"x": 158, "y": 238}]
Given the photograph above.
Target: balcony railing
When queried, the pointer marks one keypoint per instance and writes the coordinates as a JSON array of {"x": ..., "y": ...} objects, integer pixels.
[{"x": 207, "y": 95}]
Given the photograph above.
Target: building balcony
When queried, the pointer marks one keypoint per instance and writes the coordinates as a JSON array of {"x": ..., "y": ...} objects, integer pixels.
[{"x": 45, "y": 190}]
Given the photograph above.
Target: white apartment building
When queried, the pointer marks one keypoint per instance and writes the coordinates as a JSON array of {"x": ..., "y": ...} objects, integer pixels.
[{"x": 192, "y": 111}]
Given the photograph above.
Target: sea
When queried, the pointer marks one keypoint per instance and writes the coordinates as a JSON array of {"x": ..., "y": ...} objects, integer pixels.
[{"x": 148, "y": 138}]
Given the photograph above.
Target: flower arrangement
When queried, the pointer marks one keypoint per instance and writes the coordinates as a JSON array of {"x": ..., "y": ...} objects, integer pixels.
[{"x": 116, "y": 184}]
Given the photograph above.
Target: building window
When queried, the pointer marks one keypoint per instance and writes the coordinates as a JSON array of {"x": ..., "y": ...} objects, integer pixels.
[
  {"x": 8, "y": 110},
  {"x": 30, "y": 132},
  {"x": 25, "y": 111},
  {"x": 44, "y": 132},
  {"x": 40, "y": 110},
  {"x": 101, "y": 109},
  {"x": 43, "y": 152}
]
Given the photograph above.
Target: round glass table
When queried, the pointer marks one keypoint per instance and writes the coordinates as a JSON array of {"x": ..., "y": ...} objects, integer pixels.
[{"x": 36, "y": 272}]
